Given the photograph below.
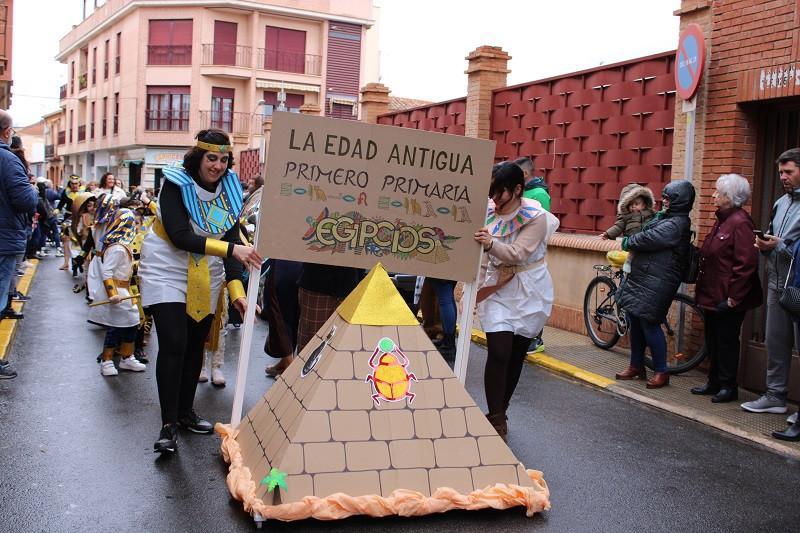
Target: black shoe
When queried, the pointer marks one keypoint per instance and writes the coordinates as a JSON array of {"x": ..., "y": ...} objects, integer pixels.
[
  {"x": 167, "y": 439},
  {"x": 11, "y": 313},
  {"x": 448, "y": 347},
  {"x": 140, "y": 355},
  {"x": 726, "y": 394},
  {"x": 708, "y": 389},
  {"x": 192, "y": 422},
  {"x": 792, "y": 433},
  {"x": 6, "y": 372},
  {"x": 19, "y": 297}
]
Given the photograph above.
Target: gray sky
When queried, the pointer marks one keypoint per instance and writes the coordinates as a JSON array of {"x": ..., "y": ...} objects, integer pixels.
[{"x": 423, "y": 43}]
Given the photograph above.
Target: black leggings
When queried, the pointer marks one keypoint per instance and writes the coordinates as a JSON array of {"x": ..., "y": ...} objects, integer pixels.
[
  {"x": 503, "y": 367},
  {"x": 181, "y": 342}
]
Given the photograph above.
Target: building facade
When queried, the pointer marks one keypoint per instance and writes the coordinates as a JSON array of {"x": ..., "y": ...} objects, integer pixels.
[
  {"x": 144, "y": 76},
  {"x": 6, "y": 18}
]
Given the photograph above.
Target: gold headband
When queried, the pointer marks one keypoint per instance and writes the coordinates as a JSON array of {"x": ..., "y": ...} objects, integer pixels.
[
  {"x": 74, "y": 179},
  {"x": 214, "y": 147}
]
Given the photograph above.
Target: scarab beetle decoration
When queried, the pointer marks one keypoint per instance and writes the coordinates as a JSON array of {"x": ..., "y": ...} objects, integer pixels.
[{"x": 390, "y": 378}]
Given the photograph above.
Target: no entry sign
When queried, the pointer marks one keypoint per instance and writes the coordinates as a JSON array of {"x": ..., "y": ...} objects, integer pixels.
[{"x": 689, "y": 61}]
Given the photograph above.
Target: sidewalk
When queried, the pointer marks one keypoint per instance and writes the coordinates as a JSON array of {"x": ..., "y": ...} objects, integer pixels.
[
  {"x": 575, "y": 355},
  {"x": 8, "y": 327}
]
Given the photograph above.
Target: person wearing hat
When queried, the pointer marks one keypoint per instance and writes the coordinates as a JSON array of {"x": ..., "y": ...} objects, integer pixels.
[{"x": 74, "y": 187}]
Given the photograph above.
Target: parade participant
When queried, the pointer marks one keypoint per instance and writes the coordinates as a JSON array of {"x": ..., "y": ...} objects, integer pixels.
[
  {"x": 283, "y": 313},
  {"x": 516, "y": 293},
  {"x": 108, "y": 186},
  {"x": 193, "y": 246},
  {"x": 444, "y": 289},
  {"x": 65, "y": 206},
  {"x": 109, "y": 281},
  {"x": 727, "y": 285},
  {"x": 662, "y": 250},
  {"x": 145, "y": 216}
]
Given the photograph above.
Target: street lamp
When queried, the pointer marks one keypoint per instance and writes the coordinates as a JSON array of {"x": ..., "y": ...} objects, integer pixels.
[{"x": 253, "y": 114}]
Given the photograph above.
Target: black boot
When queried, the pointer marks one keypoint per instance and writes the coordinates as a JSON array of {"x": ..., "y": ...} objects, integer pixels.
[
  {"x": 448, "y": 347},
  {"x": 710, "y": 388},
  {"x": 726, "y": 394},
  {"x": 10, "y": 312},
  {"x": 792, "y": 433}
]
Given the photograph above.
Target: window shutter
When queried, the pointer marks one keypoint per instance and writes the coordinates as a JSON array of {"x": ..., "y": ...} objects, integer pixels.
[
  {"x": 181, "y": 32},
  {"x": 160, "y": 32}
]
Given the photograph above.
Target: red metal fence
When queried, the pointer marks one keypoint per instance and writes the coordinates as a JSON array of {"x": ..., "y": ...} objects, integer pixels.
[{"x": 589, "y": 133}]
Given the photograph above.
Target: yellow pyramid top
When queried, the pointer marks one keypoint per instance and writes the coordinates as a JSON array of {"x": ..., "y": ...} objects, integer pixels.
[{"x": 376, "y": 302}]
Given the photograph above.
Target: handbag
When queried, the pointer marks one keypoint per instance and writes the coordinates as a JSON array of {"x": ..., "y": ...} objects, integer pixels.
[
  {"x": 691, "y": 269},
  {"x": 790, "y": 297}
]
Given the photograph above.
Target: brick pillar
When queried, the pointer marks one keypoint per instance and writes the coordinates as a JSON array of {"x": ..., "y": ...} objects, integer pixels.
[
  {"x": 310, "y": 109},
  {"x": 374, "y": 102},
  {"x": 487, "y": 71}
]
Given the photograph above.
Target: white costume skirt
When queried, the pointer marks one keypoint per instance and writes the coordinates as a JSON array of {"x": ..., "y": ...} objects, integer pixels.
[{"x": 521, "y": 306}]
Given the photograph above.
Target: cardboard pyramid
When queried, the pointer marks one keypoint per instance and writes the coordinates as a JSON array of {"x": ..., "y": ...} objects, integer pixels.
[{"x": 369, "y": 419}]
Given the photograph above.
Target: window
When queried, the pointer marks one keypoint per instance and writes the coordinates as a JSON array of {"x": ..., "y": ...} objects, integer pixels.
[
  {"x": 94, "y": 65},
  {"x": 72, "y": 78},
  {"x": 105, "y": 116},
  {"x": 224, "y": 43},
  {"x": 91, "y": 124},
  {"x": 222, "y": 108},
  {"x": 117, "y": 61},
  {"x": 167, "y": 108},
  {"x": 285, "y": 50},
  {"x": 116, "y": 113},
  {"x": 71, "y": 116},
  {"x": 292, "y": 103},
  {"x": 105, "y": 60},
  {"x": 170, "y": 42}
]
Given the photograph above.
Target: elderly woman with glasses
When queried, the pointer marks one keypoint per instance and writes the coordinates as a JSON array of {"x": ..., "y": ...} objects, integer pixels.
[
  {"x": 727, "y": 285},
  {"x": 191, "y": 249}
]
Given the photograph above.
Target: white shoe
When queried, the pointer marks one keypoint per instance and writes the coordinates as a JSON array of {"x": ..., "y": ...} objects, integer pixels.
[
  {"x": 59, "y": 253},
  {"x": 216, "y": 377},
  {"x": 132, "y": 364},
  {"x": 107, "y": 368},
  {"x": 792, "y": 419},
  {"x": 203, "y": 376},
  {"x": 26, "y": 264}
]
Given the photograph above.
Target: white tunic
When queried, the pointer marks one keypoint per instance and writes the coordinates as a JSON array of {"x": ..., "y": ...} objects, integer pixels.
[
  {"x": 116, "y": 263},
  {"x": 522, "y": 305},
  {"x": 163, "y": 268}
]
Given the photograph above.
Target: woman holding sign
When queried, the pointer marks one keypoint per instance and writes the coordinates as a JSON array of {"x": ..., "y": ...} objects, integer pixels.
[
  {"x": 516, "y": 296},
  {"x": 191, "y": 249}
]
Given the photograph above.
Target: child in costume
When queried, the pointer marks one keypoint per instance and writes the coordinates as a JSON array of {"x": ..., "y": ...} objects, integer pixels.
[
  {"x": 109, "y": 281},
  {"x": 635, "y": 209}
]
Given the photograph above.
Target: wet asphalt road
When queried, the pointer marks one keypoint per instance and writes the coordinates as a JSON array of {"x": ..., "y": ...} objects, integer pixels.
[{"x": 77, "y": 449}]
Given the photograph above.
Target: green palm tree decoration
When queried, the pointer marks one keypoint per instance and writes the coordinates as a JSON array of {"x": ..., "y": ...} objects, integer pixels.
[{"x": 275, "y": 479}]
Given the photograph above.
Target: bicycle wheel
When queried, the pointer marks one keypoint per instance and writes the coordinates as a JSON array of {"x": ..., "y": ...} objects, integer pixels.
[
  {"x": 684, "y": 352},
  {"x": 600, "y": 312}
]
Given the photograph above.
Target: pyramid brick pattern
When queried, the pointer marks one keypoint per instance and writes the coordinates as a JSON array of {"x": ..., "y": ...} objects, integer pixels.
[{"x": 326, "y": 433}]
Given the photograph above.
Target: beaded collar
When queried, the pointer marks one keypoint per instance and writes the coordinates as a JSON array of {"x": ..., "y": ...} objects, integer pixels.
[{"x": 502, "y": 225}]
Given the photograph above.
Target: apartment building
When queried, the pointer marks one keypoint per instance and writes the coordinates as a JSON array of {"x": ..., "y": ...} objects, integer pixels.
[{"x": 145, "y": 75}]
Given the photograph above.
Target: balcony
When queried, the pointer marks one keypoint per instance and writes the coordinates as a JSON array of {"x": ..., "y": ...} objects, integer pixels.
[
  {"x": 168, "y": 54},
  {"x": 227, "y": 54},
  {"x": 82, "y": 133},
  {"x": 49, "y": 150},
  {"x": 62, "y": 137},
  {"x": 289, "y": 62},
  {"x": 63, "y": 92},
  {"x": 156, "y": 120},
  {"x": 226, "y": 120},
  {"x": 82, "y": 81}
]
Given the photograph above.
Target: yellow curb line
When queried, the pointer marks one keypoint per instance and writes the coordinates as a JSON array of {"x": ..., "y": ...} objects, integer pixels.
[
  {"x": 8, "y": 327},
  {"x": 554, "y": 364}
]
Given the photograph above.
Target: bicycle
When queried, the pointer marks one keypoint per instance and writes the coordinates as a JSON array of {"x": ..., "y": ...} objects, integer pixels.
[{"x": 607, "y": 322}]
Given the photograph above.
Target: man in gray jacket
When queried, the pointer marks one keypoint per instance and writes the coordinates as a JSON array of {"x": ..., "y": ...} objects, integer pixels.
[
  {"x": 17, "y": 200},
  {"x": 776, "y": 245}
]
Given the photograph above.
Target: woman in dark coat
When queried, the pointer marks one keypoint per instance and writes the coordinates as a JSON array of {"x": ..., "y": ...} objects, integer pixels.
[
  {"x": 727, "y": 285},
  {"x": 662, "y": 249}
]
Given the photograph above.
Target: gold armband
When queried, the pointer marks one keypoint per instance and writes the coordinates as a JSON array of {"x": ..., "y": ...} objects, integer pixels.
[
  {"x": 217, "y": 248},
  {"x": 236, "y": 290},
  {"x": 111, "y": 288}
]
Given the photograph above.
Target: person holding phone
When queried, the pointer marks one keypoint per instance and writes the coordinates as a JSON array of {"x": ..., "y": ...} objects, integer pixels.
[
  {"x": 727, "y": 285},
  {"x": 781, "y": 333}
]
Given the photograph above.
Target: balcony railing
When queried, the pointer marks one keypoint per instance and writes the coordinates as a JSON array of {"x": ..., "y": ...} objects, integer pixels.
[
  {"x": 49, "y": 150},
  {"x": 227, "y": 121},
  {"x": 289, "y": 62},
  {"x": 166, "y": 120},
  {"x": 62, "y": 137},
  {"x": 63, "y": 92},
  {"x": 82, "y": 133},
  {"x": 227, "y": 54},
  {"x": 82, "y": 81},
  {"x": 169, "y": 54}
]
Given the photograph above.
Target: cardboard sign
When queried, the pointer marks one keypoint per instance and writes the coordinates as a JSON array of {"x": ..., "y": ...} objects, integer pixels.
[{"x": 347, "y": 193}]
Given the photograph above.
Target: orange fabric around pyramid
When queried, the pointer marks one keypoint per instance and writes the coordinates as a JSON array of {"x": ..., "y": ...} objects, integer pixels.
[{"x": 347, "y": 448}]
